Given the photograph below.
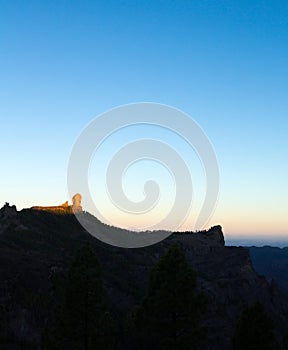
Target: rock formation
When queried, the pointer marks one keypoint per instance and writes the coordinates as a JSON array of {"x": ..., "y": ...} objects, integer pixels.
[
  {"x": 212, "y": 237},
  {"x": 76, "y": 200},
  {"x": 64, "y": 208},
  {"x": 9, "y": 219}
]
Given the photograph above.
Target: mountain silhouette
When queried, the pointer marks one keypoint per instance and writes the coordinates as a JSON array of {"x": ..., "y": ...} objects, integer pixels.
[{"x": 37, "y": 246}]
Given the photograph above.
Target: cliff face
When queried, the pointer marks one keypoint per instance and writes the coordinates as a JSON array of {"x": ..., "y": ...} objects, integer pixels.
[
  {"x": 64, "y": 208},
  {"x": 36, "y": 247},
  {"x": 59, "y": 209},
  {"x": 214, "y": 237},
  {"x": 227, "y": 276},
  {"x": 271, "y": 262}
]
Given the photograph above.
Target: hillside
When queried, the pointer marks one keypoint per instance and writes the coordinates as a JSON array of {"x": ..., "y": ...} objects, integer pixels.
[
  {"x": 36, "y": 248},
  {"x": 271, "y": 262}
]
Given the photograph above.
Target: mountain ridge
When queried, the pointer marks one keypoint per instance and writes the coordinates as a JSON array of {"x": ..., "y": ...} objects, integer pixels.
[{"x": 36, "y": 248}]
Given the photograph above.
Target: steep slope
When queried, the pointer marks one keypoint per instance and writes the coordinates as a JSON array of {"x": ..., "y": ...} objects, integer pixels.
[{"x": 271, "y": 262}]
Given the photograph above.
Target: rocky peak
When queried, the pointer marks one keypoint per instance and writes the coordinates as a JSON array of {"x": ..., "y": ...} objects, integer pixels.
[
  {"x": 76, "y": 200},
  {"x": 9, "y": 218},
  {"x": 215, "y": 233},
  {"x": 8, "y": 211},
  {"x": 212, "y": 237}
]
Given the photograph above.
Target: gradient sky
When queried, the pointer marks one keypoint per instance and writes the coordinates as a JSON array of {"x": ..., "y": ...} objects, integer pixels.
[{"x": 222, "y": 62}]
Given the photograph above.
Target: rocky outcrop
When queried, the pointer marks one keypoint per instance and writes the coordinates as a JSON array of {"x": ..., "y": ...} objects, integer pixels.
[
  {"x": 212, "y": 237},
  {"x": 64, "y": 208},
  {"x": 76, "y": 206},
  {"x": 57, "y": 209},
  {"x": 9, "y": 219}
]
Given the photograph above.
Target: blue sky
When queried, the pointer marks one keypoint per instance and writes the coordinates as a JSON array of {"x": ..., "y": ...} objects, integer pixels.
[{"x": 222, "y": 62}]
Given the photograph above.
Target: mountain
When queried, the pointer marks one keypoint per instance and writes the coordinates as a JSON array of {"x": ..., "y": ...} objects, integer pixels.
[
  {"x": 36, "y": 248},
  {"x": 271, "y": 262}
]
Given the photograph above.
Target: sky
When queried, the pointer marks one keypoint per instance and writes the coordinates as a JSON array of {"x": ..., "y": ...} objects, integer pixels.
[{"x": 224, "y": 63}]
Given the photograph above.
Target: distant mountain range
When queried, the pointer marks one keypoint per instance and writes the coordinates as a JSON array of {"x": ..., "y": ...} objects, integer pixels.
[{"x": 36, "y": 248}]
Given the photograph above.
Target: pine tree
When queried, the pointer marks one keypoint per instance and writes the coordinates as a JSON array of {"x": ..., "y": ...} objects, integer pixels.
[
  {"x": 169, "y": 315},
  {"x": 254, "y": 330},
  {"x": 83, "y": 323},
  {"x": 3, "y": 326},
  {"x": 285, "y": 341}
]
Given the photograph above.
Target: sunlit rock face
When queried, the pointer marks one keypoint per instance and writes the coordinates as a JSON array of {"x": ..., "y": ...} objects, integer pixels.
[
  {"x": 76, "y": 200},
  {"x": 64, "y": 208}
]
